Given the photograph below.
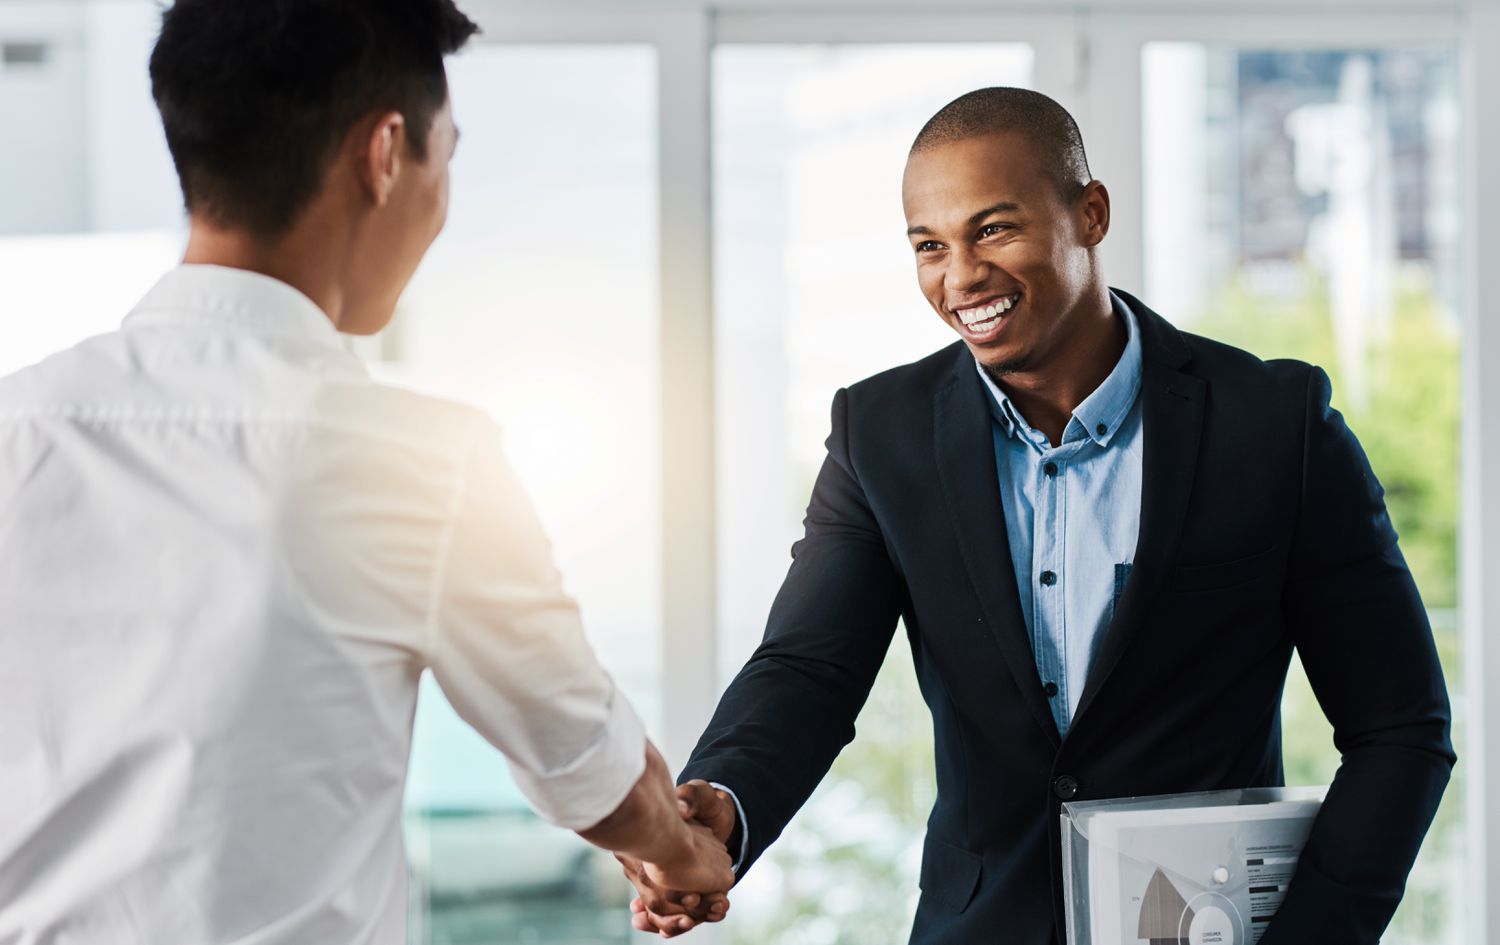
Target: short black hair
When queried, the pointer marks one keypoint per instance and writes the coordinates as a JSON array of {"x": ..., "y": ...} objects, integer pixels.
[
  {"x": 1003, "y": 109},
  {"x": 257, "y": 95}
]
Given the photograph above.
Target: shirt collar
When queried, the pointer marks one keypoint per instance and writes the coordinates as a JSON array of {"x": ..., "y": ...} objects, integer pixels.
[
  {"x": 1102, "y": 412},
  {"x": 206, "y": 295}
]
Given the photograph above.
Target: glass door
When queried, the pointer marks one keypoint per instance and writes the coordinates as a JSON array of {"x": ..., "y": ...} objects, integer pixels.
[
  {"x": 538, "y": 303},
  {"x": 1305, "y": 203},
  {"x": 815, "y": 288}
]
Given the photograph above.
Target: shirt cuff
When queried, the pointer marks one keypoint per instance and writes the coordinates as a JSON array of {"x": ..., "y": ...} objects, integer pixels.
[
  {"x": 739, "y": 811},
  {"x": 591, "y": 786}
]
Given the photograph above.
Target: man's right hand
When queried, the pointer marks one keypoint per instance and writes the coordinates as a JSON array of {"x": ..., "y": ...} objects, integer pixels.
[
  {"x": 710, "y": 807},
  {"x": 658, "y": 908},
  {"x": 701, "y": 862}
]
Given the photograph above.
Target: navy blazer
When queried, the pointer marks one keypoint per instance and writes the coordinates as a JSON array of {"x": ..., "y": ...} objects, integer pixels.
[{"x": 1262, "y": 528}]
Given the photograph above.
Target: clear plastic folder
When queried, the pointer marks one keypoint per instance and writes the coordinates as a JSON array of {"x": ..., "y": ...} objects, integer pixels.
[{"x": 1182, "y": 869}]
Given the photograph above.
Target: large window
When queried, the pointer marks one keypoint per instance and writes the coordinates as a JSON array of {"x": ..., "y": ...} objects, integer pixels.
[
  {"x": 815, "y": 289},
  {"x": 1304, "y": 204},
  {"x": 538, "y": 304}
]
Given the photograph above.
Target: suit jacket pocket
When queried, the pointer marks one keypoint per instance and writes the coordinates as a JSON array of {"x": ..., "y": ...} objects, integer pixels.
[
  {"x": 1221, "y": 574},
  {"x": 949, "y": 874}
]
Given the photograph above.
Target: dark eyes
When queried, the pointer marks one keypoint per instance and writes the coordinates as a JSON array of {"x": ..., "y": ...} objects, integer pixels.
[{"x": 986, "y": 231}]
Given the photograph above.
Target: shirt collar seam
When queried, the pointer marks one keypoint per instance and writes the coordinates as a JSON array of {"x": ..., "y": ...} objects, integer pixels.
[{"x": 237, "y": 297}]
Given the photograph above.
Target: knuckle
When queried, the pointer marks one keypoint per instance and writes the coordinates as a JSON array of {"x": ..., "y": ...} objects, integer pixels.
[{"x": 655, "y": 905}]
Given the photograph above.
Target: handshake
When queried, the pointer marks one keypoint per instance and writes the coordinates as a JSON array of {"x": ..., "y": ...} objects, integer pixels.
[{"x": 689, "y": 884}]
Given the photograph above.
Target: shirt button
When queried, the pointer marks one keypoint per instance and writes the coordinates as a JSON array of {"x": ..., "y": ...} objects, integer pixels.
[
  {"x": 1050, "y": 689},
  {"x": 1065, "y": 787},
  {"x": 1101, "y": 429},
  {"x": 1050, "y": 469},
  {"x": 1048, "y": 578}
]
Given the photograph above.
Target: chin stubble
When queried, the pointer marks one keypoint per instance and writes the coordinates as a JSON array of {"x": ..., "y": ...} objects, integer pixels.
[{"x": 997, "y": 371}]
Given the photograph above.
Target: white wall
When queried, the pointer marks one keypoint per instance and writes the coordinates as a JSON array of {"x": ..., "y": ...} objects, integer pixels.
[
  {"x": 44, "y": 151},
  {"x": 82, "y": 146}
]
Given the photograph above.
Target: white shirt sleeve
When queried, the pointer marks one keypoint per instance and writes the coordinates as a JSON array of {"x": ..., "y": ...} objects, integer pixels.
[{"x": 507, "y": 646}]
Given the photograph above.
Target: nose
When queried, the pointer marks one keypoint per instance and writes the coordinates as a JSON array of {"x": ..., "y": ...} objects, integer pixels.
[{"x": 966, "y": 270}]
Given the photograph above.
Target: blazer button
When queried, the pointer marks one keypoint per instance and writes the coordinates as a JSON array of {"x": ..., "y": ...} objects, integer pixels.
[{"x": 1065, "y": 787}]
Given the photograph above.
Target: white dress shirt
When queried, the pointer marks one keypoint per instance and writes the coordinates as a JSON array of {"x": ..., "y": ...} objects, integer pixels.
[{"x": 226, "y": 556}]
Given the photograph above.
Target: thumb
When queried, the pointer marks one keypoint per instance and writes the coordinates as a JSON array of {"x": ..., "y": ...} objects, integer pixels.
[{"x": 689, "y": 798}]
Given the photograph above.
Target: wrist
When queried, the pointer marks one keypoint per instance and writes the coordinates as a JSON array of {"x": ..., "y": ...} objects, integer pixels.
[
  {"x": 736, "y": 842},
  {"x": 669, "y": 847}
]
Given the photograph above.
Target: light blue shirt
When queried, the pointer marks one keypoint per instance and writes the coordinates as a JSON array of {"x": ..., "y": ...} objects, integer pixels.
[{"x": 1072, "y": 516}]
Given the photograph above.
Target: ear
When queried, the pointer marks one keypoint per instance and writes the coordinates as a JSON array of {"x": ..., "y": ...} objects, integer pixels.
[
  {"x": 379, "y": 155},
  {"x": 1093, "y": 206}
]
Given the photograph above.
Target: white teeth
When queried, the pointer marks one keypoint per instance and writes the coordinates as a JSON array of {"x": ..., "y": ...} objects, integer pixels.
[{"x": 974, "y": 316}]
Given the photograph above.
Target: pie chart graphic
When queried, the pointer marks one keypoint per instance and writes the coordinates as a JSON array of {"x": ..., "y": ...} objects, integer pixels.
[
  {"x": 1164, "y": 913},
  {"x": 1169, "y": 918}
]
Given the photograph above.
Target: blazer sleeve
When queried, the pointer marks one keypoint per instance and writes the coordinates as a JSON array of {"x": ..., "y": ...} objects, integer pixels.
[
  {"x": 791, "y": 709},
  {"x": 1363, "y": 636}
]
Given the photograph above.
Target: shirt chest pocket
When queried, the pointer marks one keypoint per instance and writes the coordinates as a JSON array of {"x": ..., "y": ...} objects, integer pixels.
[{"x": 1222, "y": 575}]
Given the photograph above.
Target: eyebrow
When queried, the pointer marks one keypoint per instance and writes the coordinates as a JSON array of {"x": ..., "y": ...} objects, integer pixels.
[{"x": 1003, "y": 207}]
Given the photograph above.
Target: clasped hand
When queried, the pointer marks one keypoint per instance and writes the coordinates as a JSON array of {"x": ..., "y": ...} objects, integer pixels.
[{"x": 674, "y": 897}]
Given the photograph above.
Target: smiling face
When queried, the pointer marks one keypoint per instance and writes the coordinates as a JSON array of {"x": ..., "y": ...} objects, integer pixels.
[{"x": 1002, "y": 255}]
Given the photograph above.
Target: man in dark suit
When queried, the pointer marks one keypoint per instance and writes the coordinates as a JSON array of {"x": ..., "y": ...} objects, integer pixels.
[{"x": 1105, "y": 537}]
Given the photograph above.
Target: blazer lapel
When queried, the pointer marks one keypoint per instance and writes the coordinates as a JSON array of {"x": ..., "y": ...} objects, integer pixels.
[
  {"x": 964, "y": 440},
  {"x": 1172, "y": 424}
]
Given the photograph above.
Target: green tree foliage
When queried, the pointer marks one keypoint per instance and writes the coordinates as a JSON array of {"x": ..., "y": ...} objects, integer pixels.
[
  {"x": 1408, "y": 422},
  {"x": 1407, "y": 419}
]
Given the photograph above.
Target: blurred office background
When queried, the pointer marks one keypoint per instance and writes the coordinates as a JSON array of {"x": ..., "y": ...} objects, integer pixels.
[{"x": 676, "y": 231}]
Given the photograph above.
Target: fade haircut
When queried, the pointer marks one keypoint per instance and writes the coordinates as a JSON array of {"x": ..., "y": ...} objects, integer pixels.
[
  {"x": 256, "y": 96},
  {"x": 1031, "y": 114}
]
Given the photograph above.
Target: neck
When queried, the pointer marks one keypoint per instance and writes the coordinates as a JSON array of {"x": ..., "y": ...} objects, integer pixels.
[
  {"x": 1049, "y": 392},
  {"x": 300, "y": 258}
]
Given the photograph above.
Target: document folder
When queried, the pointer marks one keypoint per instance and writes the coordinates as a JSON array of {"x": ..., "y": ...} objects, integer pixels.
[{"x": 1182, "y": 869}]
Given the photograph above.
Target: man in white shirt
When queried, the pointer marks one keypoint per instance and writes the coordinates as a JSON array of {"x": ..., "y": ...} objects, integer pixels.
[{"x": 226, "y": 555}]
